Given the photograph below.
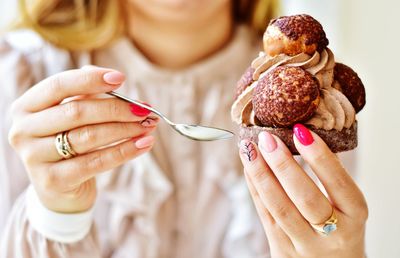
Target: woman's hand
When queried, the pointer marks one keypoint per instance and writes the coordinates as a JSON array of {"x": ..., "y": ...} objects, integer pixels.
[
  {"x": 287, "y": 200},
  {"x": 104, "y": 133}
]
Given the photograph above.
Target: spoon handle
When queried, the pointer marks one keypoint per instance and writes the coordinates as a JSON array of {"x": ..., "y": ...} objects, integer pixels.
[{"x": 116, "y": 94}]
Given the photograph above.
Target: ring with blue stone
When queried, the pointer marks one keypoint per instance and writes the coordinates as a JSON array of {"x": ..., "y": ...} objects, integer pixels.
[{"x": 328, "y": 226}]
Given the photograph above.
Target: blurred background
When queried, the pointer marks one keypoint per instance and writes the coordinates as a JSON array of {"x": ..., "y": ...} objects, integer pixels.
[{"x": 364, "y": 34}]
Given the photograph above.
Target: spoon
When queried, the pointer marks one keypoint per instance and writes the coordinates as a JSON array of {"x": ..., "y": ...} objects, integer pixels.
[{"x": 194, "y": 132}]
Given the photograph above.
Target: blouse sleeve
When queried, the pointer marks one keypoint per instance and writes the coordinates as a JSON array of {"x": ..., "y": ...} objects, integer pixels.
[
  {"x": 21, "y": 66},
  {"x": 15, "y": 77}
]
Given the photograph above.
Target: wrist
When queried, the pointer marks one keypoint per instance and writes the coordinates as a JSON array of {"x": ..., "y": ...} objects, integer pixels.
[{"x": 77, "y": 200}]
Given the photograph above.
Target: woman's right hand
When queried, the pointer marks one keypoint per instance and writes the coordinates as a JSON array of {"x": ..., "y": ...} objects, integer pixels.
[{"x": 68, "y": 185}]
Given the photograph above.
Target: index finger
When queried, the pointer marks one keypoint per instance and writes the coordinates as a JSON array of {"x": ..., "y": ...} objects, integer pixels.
[{"x": 56, "y": 88}]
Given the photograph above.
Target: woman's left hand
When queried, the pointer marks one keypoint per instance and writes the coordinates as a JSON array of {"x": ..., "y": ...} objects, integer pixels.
[{"x": 288, "y": 201}]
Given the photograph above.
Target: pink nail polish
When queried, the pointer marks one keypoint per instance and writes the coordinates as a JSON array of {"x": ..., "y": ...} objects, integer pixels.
[
  {"x": 114, "y": 77},
  {"x": 144, "y": 142},
  {"x": 149, "y": 122},
  {"x": 303, "y": 134},
  {"x": 267, "y": 142},
  {"x": 139, "y": 111},
  {"x": 248, "y": 150}
]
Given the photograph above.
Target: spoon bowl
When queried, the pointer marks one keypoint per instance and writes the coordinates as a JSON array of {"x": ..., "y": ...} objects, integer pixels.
[
  {"x": 202, "y": 133},
  {"x": 194, "y": 132}
]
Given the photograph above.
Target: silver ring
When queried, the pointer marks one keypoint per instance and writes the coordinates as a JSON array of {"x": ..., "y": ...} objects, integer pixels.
[
  {"x": 328, "y": 226},
  {"x": 63, "y": 146}
]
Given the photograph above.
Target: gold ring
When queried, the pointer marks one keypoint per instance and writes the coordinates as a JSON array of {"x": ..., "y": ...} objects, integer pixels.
[
  {"x": 63, "y": 146},
  {"x": 328, "y": 226}
]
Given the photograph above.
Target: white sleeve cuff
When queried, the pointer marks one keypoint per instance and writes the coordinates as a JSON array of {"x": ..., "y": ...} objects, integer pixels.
[{"x": 59, "y": 227}]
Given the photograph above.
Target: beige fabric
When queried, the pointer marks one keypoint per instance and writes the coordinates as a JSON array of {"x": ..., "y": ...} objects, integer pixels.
[{"x": 185, "y": 199}]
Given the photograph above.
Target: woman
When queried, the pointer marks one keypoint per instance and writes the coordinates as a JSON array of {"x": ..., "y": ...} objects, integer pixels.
[{"x": 162, "y": 195}]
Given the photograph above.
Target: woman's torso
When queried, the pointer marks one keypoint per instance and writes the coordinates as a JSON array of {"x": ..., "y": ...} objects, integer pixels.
[{"x": 186, "y": 198}]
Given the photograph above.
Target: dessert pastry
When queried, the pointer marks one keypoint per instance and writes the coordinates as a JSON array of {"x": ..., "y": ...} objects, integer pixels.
[
  {"x": 348, "y": 82},
  {"x": 296, "y": 80}
]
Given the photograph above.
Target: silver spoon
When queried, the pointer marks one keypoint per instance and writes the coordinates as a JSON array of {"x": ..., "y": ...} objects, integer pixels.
[{"x": 194, "y": 132}]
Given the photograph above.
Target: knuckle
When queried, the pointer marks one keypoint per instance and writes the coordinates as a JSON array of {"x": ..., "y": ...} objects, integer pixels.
[
  {"x": 258, "y": 174},
  {"x": 15, "y": 136},
  {"x": 55, "y": 83},
  {"x": 362, "y": 210},
  {"x": 310, "y": 202},
  {"x": 119, "y": 154},
  {"x": 283, "y": 165},
  {"x": 73, "y": 110},
  {"x": 363, "y": 214},
  {"x": 323, "y": 157},
  {"x": 126, "y": 127},
  {"x": 95, "y": 161},
  {"x": 87, "y": 77},
  {"x": 114, "y": 108},
  {"x": 29, "y": 157},
  {"x": 48, "y": 180},
  {"x": 15, "y": 107},
  {"x": 281, "y": 211},
  {"x": 342, "y": 241},
  {"x": 86, "y": 135},
  {"x": 339, "y": 182},
  {"x": 303, "y": 251}
]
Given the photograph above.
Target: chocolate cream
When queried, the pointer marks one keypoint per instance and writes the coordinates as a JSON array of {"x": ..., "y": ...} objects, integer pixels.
[{"x": 334, "y": 110}]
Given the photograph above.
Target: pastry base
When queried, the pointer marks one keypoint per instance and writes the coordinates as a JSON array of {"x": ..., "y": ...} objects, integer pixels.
[{"x": 338, "y": 141}]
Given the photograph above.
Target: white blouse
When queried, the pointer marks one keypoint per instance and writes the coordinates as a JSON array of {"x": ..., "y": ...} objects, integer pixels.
[{"x": 184, "y": 199}]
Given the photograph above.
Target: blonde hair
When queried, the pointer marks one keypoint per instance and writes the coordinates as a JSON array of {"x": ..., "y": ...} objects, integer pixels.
[{"x": 92, "y": 24}]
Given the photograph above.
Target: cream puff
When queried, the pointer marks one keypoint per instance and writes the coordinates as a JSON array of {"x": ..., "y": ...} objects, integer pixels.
[{"x": 296, "y": 80}]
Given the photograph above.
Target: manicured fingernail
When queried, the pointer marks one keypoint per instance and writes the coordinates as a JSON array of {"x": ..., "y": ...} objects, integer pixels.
[
  {"x": 114, "y": 77},
  {"x": 248, "y": 150},
  {"x": 144, "y": 142},
  {"x": 267, "y": 142},
  {"x": 149, "y": 122},
  {"x": 139, "y": 111},
  {"x": 303, "y": 134}
]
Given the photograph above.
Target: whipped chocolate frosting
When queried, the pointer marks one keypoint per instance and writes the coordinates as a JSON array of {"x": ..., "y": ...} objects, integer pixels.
[{"x": 334, "y": 110}]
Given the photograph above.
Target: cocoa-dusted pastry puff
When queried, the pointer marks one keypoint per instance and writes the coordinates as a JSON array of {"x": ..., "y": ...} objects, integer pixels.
[
  {"x": 296, "y": 80},
  {"x": 292, "y": 35},
  {"x": 351, "y": 85},
  {"x": 285, "y": 96}
]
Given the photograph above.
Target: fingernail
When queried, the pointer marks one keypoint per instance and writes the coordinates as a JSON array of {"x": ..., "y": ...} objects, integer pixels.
[
  {"x": 248, "y": 150},
  {"x": 267, "y": 142},
  {"x": 144, "y": 142},
  {"x": 139, "y": 111},
  {"x": 149, "y": 122},
  {"x": 303, "y": 134},
  {"x": 114, "y": 77}
]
